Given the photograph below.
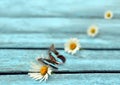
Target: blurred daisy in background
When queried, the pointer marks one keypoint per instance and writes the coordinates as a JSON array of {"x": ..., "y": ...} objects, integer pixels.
[
  {"x": 40, "y": 72},
  {"x": 92, "y": 31},
  {"x": 108, "y": 15},
  {"x": 72, "y": 45}
]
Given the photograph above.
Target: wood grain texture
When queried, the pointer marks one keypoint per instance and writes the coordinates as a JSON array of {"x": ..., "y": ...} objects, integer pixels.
[
  {"x": 23, "y": 32},
  {"x": 27, "y": 27},
  {"x": 19, "y": 60},
  {"x": 67, "y": 79},
  {"x": 58, "y": 8},
  {"x": 58, "y": 25},
  {"x": 41, "y": 40}
]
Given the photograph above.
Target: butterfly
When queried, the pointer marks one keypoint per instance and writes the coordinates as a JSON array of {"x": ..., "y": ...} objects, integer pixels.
[{"x": 54, "y": 56}]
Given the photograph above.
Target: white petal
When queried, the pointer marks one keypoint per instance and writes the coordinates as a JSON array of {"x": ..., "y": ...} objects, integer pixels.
[
  {"x": 66, "y": 50},
  {"x": 36, "y": 76},
  {"x": 46, "y": 77},
  {"x": 89, "y": 31},
  {"x": 67, "y": 45},
  {"x": 69, "y": 51},
  {"x": 39, "y": 77},
  {"x": 73, "y": 52},
  {"x": 49, "y": 71},
  {"x": 33, "y": 74},
  {"x": 42, "y": 79},
  {"x": 78, "y": 48},
  {"x": 75, "y": 40},
  {"x": 106, "y": 13}
]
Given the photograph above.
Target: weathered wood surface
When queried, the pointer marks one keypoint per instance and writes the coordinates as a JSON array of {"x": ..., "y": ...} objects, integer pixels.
[
  {"x": 64, "y": 79},
  {"x": 58, "y": 25},
  {"x": 20, "y": 60},
  {"x": 58, "y": 8},
  {"x": 41, "y": 40},
  {"x": 28, "y": 28},
  {"x": 18, "y": 32}
]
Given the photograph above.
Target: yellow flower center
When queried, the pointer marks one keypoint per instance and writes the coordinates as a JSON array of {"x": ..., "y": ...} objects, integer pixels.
[
  {"x": 108, "y": 15},
  {"x": 43, "y": 70},
  {"x": 93, "y": 30},
  {"x": 73, "y": 46}
]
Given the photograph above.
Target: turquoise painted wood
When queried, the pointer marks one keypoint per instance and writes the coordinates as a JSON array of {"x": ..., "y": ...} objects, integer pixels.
[
  {"x": 17, "y": 32},
  {"x": 58, "y": 25},
  {"x": 58, "y": 8},
  {"x": 20, "y": 60},
  {"x": 38, "y": 24},
  {"x": 64, "y": 79},
  {"x": 41, "y": 40}
]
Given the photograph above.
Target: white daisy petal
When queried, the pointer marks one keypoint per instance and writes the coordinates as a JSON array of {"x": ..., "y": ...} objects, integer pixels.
[
  {"x": 69, "y": 51},
  {"x": 42, "y": 74},
  {"x": 72, "y": 45},
  {"x": 108, "y": 15},
  {"x": 49, "y": 71},
  {"x": 37, "y": 74},
  {"x": 38, "y": 77},
  {"x": 42, "y": 78},
  {"x": 35, "y": 77},
  {"x": 46, "y": 77},
  {"x": 31, "y": 74},
  {"x": 73, "y": 52},
  {"x": 92, "y": 31}
]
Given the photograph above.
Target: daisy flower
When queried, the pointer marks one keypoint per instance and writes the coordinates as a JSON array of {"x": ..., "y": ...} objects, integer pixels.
[
  {"x": 108, "y": 15},
  {"x": 92, "y": 31},
  {"x": 72, "y": 45},
  {"x": 40, "y": 72}
]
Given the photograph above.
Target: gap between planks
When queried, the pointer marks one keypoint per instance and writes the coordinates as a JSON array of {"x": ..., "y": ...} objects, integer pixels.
[
  {"x": 64, "y": 17},
  {"x": 37, "y": 48},
  {"x": 63, "y": 72}
]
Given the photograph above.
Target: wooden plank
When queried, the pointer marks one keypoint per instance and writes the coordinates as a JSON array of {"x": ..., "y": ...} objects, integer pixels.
[
  {"x": 17, "y": 32},
  {"x": 58, "y": 8},
  {"x": 19, "y": 60},
  {"x": 58, "y": 25},
  {"x": 64, "y": 79},
  {"x": 41, "y": 40}
]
